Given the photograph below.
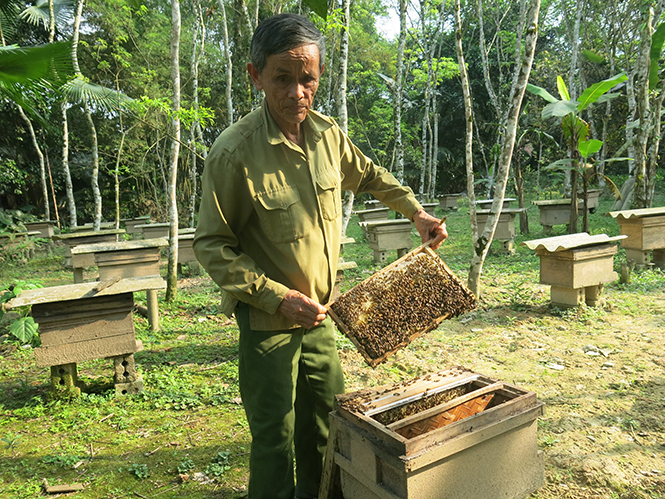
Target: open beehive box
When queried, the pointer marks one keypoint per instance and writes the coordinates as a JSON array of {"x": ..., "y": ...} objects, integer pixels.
[
  {"x": 455, "y": 434},
  {"x": 402, "y": 301}
]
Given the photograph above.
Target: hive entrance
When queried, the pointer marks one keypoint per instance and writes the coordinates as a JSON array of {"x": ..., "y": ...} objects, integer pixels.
[{"x": 399, "y": 303}]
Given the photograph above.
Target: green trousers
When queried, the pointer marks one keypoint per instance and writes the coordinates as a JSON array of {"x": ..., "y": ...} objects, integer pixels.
[{"x": 288, "y": 381}]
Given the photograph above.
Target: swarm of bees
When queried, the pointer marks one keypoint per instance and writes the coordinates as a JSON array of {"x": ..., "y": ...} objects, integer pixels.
[{"x": 406, "y": 299}]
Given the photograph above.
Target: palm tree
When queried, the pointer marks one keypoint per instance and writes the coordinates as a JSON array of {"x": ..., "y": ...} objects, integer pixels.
[{"x": 29, "y": 71}]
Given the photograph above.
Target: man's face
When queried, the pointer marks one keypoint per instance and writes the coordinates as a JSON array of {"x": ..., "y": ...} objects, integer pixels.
[{"x": 290, "y": 81}]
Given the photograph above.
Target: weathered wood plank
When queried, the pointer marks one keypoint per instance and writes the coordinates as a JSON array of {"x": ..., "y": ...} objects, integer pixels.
[
  {"x": 120, "y": 245},
  {"x": 85, "y": 290},
  {"x": 83, "y": 235},
  {"x": 87, "y": 350}
]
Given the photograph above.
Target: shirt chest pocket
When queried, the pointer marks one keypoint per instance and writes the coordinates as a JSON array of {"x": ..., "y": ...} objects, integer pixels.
[
  {"x": 328, "y": 187},
  {"x": 279, "y": 213}
]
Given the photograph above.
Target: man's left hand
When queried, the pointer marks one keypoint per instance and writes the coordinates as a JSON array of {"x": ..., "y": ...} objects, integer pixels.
[{"x": 429, "y": 229}]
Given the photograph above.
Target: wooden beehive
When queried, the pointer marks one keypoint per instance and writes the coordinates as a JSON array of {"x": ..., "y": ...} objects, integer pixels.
[
  {"x": 406, "y": 299},
  {"x": 454, "y": 434}
]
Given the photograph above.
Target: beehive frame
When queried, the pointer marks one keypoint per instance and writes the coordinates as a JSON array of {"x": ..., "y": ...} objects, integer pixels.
[{"x": 366, "y": 308}]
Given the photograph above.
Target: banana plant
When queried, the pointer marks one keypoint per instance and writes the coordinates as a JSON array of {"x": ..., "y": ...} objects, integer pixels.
[{"x": 576, "y": 131}]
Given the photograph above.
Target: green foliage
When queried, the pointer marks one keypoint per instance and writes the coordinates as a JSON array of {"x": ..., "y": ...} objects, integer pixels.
[
  {"x": 11, "y": 440},
  {"x": 657, "y": 40},
  {"x": 62, "y": 460},
  {"x": 140, "y": 471},
  {"x": 185, "y": 466},
  {"x": 13, "y": 220},
  {"x": 12, "y": 179},
  {"x": 219, "y": 465},
  {"x": 23, "y": 328}
]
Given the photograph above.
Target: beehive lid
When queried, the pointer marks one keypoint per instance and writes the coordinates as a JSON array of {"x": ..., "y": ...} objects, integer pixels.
[
  {"x": 67, "y": 292},
  {"x": 401, "y": 302},
  {"x": 570, "y": 241},
  {"x": 119, "y": 246},
  {"x": 644, "y": 212},
  {"x": 89, "y": 233}
]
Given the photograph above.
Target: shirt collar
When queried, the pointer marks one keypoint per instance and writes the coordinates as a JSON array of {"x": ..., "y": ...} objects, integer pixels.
[{"x": 314, "y": 124}]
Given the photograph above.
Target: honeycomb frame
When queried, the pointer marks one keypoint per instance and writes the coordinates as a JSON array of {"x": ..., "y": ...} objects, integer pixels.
[{"x": 380, "y": 318}]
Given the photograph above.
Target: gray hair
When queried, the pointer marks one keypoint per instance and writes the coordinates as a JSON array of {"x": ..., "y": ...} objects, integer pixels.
[{"x": 284, "y": 32}]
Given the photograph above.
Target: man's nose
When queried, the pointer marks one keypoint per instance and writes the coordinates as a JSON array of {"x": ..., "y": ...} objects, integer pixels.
[{"x": 297, "y": 90}]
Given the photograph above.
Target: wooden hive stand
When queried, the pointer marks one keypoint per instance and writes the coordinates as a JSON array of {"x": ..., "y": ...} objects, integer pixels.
[
  {"x": 449, "y": 201},
  {"x": 486, "y": 204},
  {"x": 505, "y": 229},
  {"x": 73, "y": 239},
  {"x": 373, "y": 214},
  {"x": 576, "y": 266},
  {"x": 186, "y": 250},
  {"x": 132, "y": 223},
  {"x": 87, "y": 321},
  {"x": 136, "y": 258},
  {"x": 645, "y": 232},
  {"x": 387, "y": 235},
  {"x": 373, "y": 203},
  {"x": 155, "y": 230}
]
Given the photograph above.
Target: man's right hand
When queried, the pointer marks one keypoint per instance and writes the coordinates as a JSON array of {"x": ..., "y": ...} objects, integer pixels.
[{"x": 302, "y": 309}]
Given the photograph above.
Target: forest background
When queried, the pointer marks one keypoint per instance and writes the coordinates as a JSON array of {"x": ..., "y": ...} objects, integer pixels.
[
  {"x": 126, "y": 48},
  {"x": 131, "y": 94}
]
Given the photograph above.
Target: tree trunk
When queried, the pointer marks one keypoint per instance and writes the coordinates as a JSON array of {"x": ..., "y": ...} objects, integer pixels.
[
  {"x": 425, "y": 121},
  {"x": 195, "y": 131},
  {"x": 642, "y": 65},
  {"x": 69, "y": 187},
  {"x": 519, "y": 189},
  {"x": 40, "y": 155},
  {"x": 485, "y": 63},
  {"x": 572, "y": 86},
  {"x": 468, "y": 114},
  {"x": 94, "y": 174},
  {"x": 397, "y": 94},
  {"x": 172, "y": 273},
  {"x": 652, "y": 156},
  {"x": 229, "y": 66},
  {"x": 342, "y": 111},
  {"x": 482, "y": 244}
]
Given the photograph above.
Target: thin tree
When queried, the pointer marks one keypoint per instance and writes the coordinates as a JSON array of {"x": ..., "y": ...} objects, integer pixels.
[
  {"x": 347, "y": 205},
  {"x": 468, "y": 115},
  {"x": 94, "y": 174},
  {"x": 398, "y": 94},
  {"x": 229, "y": 66},
  {"x": 40, "y": 155},
  {"x": 195, "y": 133},
  {"x": 519, "y": 82},
  {"x": 172, "y": 273}
]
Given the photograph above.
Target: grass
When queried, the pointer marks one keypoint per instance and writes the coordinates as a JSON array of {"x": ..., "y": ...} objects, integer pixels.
[{"x": 186, "y": 435}]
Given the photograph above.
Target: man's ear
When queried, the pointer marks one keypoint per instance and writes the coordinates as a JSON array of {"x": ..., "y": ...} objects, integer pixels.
[
  {"x": 255, "y": 76},
  {"x": 323, "y": 67}
]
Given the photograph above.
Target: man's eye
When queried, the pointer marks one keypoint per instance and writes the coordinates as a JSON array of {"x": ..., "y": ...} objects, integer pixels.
[{"x": 282, "y": 80}]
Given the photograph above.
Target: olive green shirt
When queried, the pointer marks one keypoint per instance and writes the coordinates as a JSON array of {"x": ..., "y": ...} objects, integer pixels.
[{"x": 271, "y": 213}]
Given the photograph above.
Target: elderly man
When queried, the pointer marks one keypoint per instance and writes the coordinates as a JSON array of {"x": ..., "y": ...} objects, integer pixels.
[{"x": 269, "y": 235}]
